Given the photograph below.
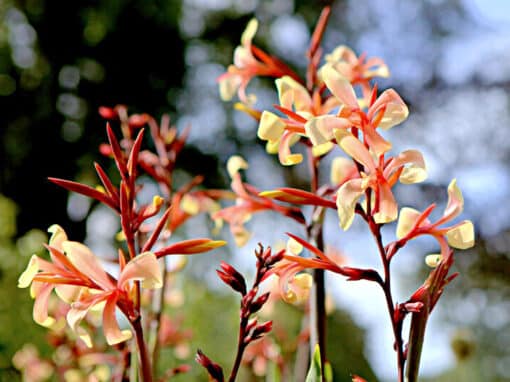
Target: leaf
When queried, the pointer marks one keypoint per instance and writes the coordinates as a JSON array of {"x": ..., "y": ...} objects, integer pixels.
[{"x": 315, "y": 371}]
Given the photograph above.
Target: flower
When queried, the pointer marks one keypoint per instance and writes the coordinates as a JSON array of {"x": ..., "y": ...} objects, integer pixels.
[
  {"x": 358, "y": 70},
  {"x": 412, "y": 223},
  {"x": 299, "y": 107},
  {"x": 249, "y": 61},
  {"x": 408, "y": 167},
  {"x": 78, "y": 278},
  {"x": 248, "y": 201},
  {"x": 384, "y": 111}
]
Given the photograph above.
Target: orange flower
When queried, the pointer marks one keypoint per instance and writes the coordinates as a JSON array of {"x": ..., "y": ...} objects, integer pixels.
[
  {"x": 412, "y": 223},
  {"x": 248, "y": 202},
  {"x": 408, "y": 167},
  {"x": 79, "y": 279},
  {"x": 249, "y": 62}
]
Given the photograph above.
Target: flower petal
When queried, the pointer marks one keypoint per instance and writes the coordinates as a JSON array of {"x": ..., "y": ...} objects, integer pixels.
[
  {"x": 249, "y": 32},
  {"x": 28, "y": 275},
  {"x": 271, "y": 127},
  {"x": 229, "y": 83},
  {"x": 455, "y": 203},
  {"x": 292, "y": 95},
  {"x": 111, "y": 328},
  {"x": 461, "y": 236},
  {"x": 341, "y": 169},
  {"x": 88, "y": 264},
  {"x": 406, "y": 221},
  {"x": 144, "y": 267},
  {"x": 395, "y": 111},
  {"x": 320, "y": 129},
  {"x": 346, "y": 199},
  {"x": 339, "y": 86},
  {"x": 40, "y": 312},
  {"x": 388, "y": 208},
  {"x": 357, "y": 150},
  {"x": 234, "y": 164},
  {"x": 416, "y": 170},
  {"x": 284, "y": 154},
  {"x": 58, "y": 236}
]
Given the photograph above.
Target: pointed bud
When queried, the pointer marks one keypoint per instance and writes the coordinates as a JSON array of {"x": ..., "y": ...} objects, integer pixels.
[
  {"x": 214, "y": 370},
  {"x": 259, "y": 303},
  {"x": 230, "y": 276}
]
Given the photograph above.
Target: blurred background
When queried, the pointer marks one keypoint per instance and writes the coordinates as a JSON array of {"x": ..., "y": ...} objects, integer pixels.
[{"x": 449, "y": 59}]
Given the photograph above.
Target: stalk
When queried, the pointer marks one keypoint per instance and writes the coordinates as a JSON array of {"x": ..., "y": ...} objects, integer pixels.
[{"x": 145, "y": 363}]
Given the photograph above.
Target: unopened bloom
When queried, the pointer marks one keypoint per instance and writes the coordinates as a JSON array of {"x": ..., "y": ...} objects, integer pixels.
[
  {"x": 79, "y": 279},
  {"x": 461, "y": 235},
  {"x": 379, "y": 176}
]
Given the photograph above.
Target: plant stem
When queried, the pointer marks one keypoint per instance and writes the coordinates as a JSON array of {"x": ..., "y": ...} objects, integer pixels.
[
  {"x": 386, "y": 287},
  {"x": 155, "y": 325},
  {"x": 145, "y": 363},
  {"x": 240, "y": 349}
]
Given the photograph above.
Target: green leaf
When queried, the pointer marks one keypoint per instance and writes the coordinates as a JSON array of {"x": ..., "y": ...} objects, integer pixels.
[
  {"x": 328, "y": 372},
  {"x": 315, "y": 371}
]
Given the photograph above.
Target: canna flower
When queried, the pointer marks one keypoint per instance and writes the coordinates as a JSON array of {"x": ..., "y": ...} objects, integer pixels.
[
  {"x": 248, "y": 201},
  {"x": 412, "y": 224},
  {"x": 79, "y": 279},
  {"x": 408, "y": 167},
  {"x": 358, "y": 70},
  {"x": 249, "y": 62},
  {"x": 299, "y": 106},
  {"x": 383, "y": 112}
]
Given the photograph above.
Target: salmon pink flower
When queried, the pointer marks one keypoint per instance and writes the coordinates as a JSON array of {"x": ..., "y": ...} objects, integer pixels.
[
  {"x": 248, "y": 201},
  {"x": 79, "y": 279},
  {"x": 412, "y": 223},
  {"x": 249, "y": 62},
  {"x": 358, "y": 70},
  {"x": 408, "y": 167},
  {"x": 385, "y": 111},
  {"x": 299, "y": 106}
]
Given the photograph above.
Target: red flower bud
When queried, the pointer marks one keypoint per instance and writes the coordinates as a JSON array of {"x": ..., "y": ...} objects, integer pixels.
[{"x": 214, "y": 370}]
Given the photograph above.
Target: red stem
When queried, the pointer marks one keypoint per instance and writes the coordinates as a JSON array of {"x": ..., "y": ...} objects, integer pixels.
[
  {"x": 386, "y": 287},
  {"x": 145, "y": 363}
]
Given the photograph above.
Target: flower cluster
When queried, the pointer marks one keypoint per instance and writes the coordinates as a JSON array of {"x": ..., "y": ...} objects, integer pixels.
[{"x": 338, "y": 111}]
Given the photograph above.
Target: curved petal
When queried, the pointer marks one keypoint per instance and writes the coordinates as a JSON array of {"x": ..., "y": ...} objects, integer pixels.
[
  {"x": 229, "y": 83},
  {"x": 339, "y": 86},
  {"x": 416, "y": 172},
  {"x": 376, "y": 67},
  {"x": 406, "y": 221},
  {"x": 249, "y": 32},
  {"x": 284, "y": 153},
  {"x": 346, "y": 199},
  {"x": 145, "y": 268},
  {"x": 67, "y": 293},
  {"x": 28, "y": 275},
  {"x": 357, "y": 150},
  {"x": 378, "y": 145},
  {"x": 78, "y": 312},
  {"x": 455, "y": 203},
  {"x": 462, "y": 235},
  {"x": 111, "y": 328},
  {"x": 234, "y": 164},
  {"x": 40, "y": 312},
  {"x": 292, "y": 93},
  {"x": 342, "y": 53},
  {"x": 58, "y": 236},
  {"x": 388, "y": 208},
  {"x": 271, "y": 127},
  {"x": 88, "y": 264},
  {"x": 395, "y": 111},
  {"x": 341, "y": 169},
  {"x": 320, "y": 129}
]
